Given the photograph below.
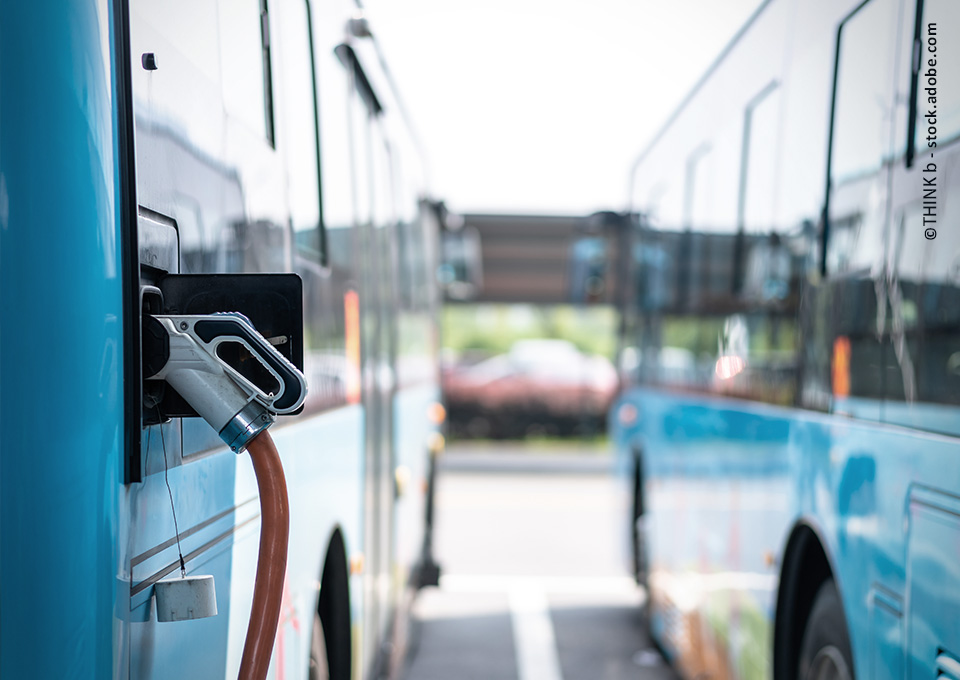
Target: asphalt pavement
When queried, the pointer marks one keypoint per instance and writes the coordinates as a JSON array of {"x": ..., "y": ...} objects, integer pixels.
[{"x": 535, "y": 583}]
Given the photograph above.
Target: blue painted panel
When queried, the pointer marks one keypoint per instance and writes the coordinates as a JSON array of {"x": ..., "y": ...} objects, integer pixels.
[
  {"x": 725, "y": 483},
  {"x": 60, "y": 297},
  {"x": 324, "y": 468},
  {"x": 886, "y": 632},
  {"x": 933, "y": 581}
]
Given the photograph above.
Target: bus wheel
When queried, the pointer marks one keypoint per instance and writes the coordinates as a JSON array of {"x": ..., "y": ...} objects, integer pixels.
[
  {"x": 825, "y": 652},
  {"x": 319, "y": 670}
]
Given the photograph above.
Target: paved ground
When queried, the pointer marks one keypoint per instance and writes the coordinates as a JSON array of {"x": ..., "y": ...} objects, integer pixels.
[{"x": 535, "y": 585}]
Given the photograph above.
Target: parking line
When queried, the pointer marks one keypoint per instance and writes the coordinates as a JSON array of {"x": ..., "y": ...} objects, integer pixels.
[{"x": 533, "y": 636}]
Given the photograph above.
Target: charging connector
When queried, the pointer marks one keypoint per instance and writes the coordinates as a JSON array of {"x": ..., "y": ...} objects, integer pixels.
[
  {"x": 237, "y": 381},
  {"x": 236, "y": 397}
]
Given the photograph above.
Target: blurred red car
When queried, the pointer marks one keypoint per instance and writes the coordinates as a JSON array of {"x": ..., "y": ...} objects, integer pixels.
[{"x": 538, "y": 387}]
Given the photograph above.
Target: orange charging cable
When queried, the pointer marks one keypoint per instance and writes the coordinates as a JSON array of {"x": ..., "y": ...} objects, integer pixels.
[{"x": 272, "y": 561}]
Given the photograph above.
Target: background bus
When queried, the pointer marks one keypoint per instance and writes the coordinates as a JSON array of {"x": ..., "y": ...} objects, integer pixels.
[
  {"x": 788, "y": 418},
  {"x": 145, "y": 140}
]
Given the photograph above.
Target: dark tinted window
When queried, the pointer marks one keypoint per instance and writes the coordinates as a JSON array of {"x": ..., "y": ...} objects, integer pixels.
[
  {"x": 922, "y": 321},
  {"x": 693, "y": 330}
]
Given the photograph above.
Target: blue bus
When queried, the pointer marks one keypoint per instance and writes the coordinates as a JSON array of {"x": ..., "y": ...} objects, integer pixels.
[
  {"x": 149, "y": 142},
  {"x": 789, "y": 418}
]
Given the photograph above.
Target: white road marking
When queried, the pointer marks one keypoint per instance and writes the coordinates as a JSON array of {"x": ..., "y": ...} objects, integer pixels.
[{"x": 533, "y": 636}]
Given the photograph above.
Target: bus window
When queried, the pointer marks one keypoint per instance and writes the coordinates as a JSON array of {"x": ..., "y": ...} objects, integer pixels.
[
  {"x": 652, "y": 274},
  {"x": 182, "y": 97},
  {"x": 245, "y": 60},
  {"x": 695, "y": 332},
  {"x": 935, "y": 90},
  {"x": 759, "y": 169},
  {"x": 460, "y": 270},
  {"x": 922, "y": 329},
  {"x": 325, "y": 295},
  {"x": 588, "y": 269},
  {"x": 696, "y": 187},
  {"x": 863, "y": 113},
  {"x": 851, "y": 364},
  {"x": 298, "y": 132},
  {"x": 335, "y": 155}
]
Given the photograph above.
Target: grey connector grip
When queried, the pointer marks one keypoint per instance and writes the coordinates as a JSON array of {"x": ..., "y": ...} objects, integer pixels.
[{"x": 236, "y": 407}]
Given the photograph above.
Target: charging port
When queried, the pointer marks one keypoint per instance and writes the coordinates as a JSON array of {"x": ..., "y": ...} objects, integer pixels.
[{"x": 272, "y": 302}]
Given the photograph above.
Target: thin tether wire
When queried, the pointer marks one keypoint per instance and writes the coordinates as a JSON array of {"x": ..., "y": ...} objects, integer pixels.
[{"x": 173, "y": 508}]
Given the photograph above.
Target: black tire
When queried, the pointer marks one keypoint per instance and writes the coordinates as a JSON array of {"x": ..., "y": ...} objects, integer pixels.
[
  {"x": 334, "y": 610},
  {"x": 825, "y": 652}
]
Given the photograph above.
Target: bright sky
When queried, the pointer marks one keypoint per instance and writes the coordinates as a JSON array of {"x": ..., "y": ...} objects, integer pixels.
[{"x": 540, "y": 106}]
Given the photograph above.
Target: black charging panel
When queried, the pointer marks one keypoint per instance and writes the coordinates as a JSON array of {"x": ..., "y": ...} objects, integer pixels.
[{"x": 272, "y": 302}]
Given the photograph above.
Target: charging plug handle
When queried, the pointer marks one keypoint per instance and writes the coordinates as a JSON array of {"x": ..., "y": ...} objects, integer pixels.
[
  {"x": 236, "y": 408},
  {"x": 217, "y": 328}
]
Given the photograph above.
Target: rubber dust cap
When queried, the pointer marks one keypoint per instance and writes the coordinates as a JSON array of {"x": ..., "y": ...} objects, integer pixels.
[{"x": 183, "y": 599}]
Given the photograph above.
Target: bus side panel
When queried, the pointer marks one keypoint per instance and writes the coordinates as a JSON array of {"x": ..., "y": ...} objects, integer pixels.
[
  {"x": 324, "y": 468},
  {"x": 61, "y": 360},
  {"x": 879, "y": 495},
  {"x": 726, "y": 481},
  {"x": 717, "y": 485},
  {"x": 933, "y": 572}
]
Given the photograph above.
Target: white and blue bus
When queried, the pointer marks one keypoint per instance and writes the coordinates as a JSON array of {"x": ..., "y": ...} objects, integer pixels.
[
  {"x": 789, "y": 418},
  {"x": 147, "y": 142}
]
